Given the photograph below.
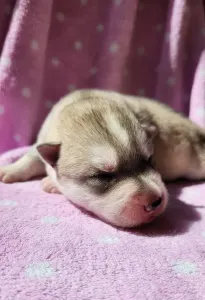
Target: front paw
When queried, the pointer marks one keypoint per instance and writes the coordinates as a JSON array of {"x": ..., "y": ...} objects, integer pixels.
[
  {"x": 11, "y": 173},
  {"x": 49, "y": 186}
]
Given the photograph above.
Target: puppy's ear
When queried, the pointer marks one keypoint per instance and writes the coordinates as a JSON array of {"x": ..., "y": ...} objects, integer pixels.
[
  {"x": 150, "y": 129},
  {"x": 49, "y": 153}
]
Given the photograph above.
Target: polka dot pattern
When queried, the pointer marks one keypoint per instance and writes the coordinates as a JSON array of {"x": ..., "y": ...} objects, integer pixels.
[
  {"x": 78, "y": 45},
  {"x": 34, "y": 45},
  {"x": 185, "y": 267},
  {"x": 82, "y": 48},
  {"x": 108, "y": 240},
  {"x": 51, "y": 249},
  {"x": 167, "y": 37},
  {"x": 71, "y": 87},
  {"x": 100, "y": 28},
  {"x": 5, "y": 62},
  {"x": 2, "y": 110},
  {"x": 118, "y": 2},
  {"x": 48, "y": 104},
  {"x": 60, "y": 17},
  {"x": 49, "y": 220},
  {"x": 114, "y": 47},
  {"x": 93, "y": 71},
  {"x": 171, "y": 81},
  {"x": 141, "y": 51},
  {"x": 17, "y": 138},
  {"x": 39, "y": 271},
  {"x": 8, "y": 203},
  {"x": 141, "y": 92},
  {"x": 159, "y": 27},
  {"x": 55, "y": 61},
  {"x": 84, "y": 2},
  {"x": 26, "y": 92}
]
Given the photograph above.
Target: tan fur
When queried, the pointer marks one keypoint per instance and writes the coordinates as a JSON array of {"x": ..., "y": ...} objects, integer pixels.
[
  {"x": 90, "y": 131},
  {"x": 179, "y": 151}
]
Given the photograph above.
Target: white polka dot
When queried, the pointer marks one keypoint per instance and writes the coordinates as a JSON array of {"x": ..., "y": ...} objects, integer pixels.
[
  {"x": 114, "y": 47},
  {"x": 118, "y": 2},
  {"x": 200, "y": 112},
  {"x": 202, "y": 73},
  {"x": 49, "y": 220},
  {"x": 171, "y": 81},
  {"x": 93, "y": 71},
  {"x": 140, "y": 51},
  {"x": 159, "y": 27},
  {"x": 167, "y": 37},
  {"x": 108, "y": 239},
  {"x": 60, "y": 17},
  {"x": 2, "y": 109},
  {"x": 5, "y": 62},
  {"x": 7, "y": 9},
  {"x": 17, "y": 137},
  {"x": 71, "y": 87},
  {"x": 48, "y": 104},
  {"x": 39, "y": 270},
  {"x": 141, "y": 92},
  {"x": 26, "y": 92},
  {"x": 8, "y": 203},
  {"x": 184, "y": 267},
  {"x": 78, "y": 45},
  {"x": 100, "y": 28},
  {"x": 55, "y": 61},
  {"x": 34, "y": 45},
  {"x": 84, "y": 2}
]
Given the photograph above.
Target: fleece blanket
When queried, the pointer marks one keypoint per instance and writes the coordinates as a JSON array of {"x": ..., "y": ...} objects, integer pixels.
[
  {"x": 49, "y": 249},
  {"x": 153, "y": 48}
]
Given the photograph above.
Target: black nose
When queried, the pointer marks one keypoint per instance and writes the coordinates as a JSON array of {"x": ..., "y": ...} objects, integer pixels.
[
  {"x": 157, "y": 203},
  {"x": 154, "y": 205}
]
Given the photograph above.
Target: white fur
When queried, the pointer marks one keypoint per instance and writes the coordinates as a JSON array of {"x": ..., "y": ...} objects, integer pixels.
[
  {"x": 116, "y": 129},
  {"x": 102, "y": 155}
]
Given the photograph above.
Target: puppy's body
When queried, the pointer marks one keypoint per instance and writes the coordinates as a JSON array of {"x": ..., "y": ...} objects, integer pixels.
[{"x": 98, "y": 149}]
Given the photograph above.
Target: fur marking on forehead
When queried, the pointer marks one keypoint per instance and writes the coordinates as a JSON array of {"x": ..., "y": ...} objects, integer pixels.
[
  {"x": 104, "y": 158},
  {"x": 116, "y": 129}
]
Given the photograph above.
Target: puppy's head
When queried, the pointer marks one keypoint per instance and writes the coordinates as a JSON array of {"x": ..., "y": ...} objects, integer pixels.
[{"x": 104, "y": 163}]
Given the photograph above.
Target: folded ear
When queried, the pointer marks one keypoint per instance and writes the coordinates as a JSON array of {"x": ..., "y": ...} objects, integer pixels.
[
  {"x": 49, "y": 152},
  {"x": 150, "y": 129}
]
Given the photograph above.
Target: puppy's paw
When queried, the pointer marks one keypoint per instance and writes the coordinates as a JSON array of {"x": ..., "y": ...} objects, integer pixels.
[
  {"x": 49, "y": 186},
  {"x": 11, "y": 173}
]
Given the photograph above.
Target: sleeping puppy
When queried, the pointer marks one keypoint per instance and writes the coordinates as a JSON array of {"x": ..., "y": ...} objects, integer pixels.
[{"x": 109, "y": 154}]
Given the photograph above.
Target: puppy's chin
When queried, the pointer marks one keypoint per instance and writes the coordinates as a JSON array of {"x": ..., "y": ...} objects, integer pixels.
[{"x": 115, "y": 208}]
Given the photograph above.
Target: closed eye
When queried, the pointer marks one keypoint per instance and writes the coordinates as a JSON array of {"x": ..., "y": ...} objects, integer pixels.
[
  {"x": 105, "y": 176},
  {"x": 101, "y": 181}
]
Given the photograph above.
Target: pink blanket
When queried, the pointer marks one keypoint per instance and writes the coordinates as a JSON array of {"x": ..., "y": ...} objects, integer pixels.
[
  {"x": 48, "y": 48},
  {"x": 51, "y": 250}
]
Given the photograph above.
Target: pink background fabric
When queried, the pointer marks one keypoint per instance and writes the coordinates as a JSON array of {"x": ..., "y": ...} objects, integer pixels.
[
  {"x": 49, "y": 48},
  {"x": 51, "y": 250}
]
